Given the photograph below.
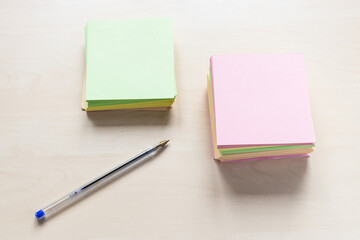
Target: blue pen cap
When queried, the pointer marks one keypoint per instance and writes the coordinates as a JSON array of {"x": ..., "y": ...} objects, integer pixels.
[{"x": 40, "y": 214}]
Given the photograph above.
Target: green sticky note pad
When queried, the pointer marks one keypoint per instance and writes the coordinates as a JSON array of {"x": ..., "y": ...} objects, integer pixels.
[{"x": 129, "y": 62}]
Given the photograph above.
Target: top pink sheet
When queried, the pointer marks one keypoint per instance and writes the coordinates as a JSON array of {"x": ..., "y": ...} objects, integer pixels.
[{"x": 261, "y": 100}]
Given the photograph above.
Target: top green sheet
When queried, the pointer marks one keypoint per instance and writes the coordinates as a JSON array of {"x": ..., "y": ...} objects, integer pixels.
[{"x": 130, "y": 59}]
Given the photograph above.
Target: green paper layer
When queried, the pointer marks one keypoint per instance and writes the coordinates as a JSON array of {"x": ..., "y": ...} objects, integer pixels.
[
  {"x": 98, "y": 103},
  {"x": 129, "y": 61},
  {"x": 267, "y": 148}
]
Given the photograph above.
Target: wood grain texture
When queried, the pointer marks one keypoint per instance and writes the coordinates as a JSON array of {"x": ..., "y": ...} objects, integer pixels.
[{"x": 48, "y": 146}]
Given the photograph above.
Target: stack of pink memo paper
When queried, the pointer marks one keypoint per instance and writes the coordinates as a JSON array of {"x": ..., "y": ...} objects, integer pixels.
[{"x": 259, "y": 107}]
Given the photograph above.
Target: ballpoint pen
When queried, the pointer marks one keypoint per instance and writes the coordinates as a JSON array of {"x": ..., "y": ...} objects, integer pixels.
[{"x": 97, "y": 182}]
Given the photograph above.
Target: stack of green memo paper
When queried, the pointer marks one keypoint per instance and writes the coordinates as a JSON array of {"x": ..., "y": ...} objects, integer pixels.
[{"x": 129, "y": 64}]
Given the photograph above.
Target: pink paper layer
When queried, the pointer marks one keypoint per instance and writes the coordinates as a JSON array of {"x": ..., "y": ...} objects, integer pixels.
[{"x": 261, "y": 100}]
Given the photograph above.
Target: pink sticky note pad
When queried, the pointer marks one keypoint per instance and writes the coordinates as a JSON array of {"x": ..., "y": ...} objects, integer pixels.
[{"x": 261, "y": 100}]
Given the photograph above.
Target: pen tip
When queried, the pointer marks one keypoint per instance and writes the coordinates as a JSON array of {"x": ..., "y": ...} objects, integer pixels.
[{"x": 163, "y": 143}]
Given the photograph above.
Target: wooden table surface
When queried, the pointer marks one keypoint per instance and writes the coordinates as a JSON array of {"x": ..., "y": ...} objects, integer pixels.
[{"x": 48, "y": 146}]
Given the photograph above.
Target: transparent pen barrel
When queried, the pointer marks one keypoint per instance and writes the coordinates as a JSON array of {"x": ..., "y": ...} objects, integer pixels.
[{"x": 96, "y": 183}]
